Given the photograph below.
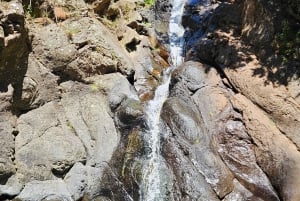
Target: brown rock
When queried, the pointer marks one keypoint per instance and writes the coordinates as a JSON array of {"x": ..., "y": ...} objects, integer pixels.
[
  {"x": 275, "y": 153},
  {"x": 59, "y": 13}
]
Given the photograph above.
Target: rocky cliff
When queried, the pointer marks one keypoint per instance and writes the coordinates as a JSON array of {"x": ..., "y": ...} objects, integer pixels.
[{"x": 75, "y": 76}]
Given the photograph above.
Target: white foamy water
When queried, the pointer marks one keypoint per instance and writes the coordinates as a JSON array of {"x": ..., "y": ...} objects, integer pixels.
[
  {"x": 176, "y": 33},
  {"x": 151, "y": 187}
]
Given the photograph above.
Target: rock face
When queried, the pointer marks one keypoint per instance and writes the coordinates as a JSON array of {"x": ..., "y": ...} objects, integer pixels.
[
  {"x": 75, "y": 76},
  {"x": 7, "y": 147},
  {"x": 13, "y": 36},
  {"x": 64, "y": 95},
  {"x": 250, "y": 113},
  {"x": 73, "y": 137},
  {"x": 211, "y": 136}
]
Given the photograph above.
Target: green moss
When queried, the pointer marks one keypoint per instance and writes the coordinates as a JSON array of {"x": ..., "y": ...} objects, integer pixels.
[
  {"x": 133, "y": 147},
  {"x": 149, "y": 2}
]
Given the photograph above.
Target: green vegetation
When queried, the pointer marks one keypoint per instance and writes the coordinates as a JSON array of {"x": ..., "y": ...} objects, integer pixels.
[
  {"x": 149, "y": 2},
  {"x": 288, "y": 42},
  {"x": 293, "y": 8},
  {"x": 29, "y": 15}
]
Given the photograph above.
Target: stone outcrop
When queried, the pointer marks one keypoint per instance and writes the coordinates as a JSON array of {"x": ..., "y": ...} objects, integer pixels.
[
  {"x": 75, "y": 76},
  {"x": 13, "y": 36},
  {"x": 222, "y": 149},
  {"x": 65, "y": 92},
  {"x": 261, "y": 111}
]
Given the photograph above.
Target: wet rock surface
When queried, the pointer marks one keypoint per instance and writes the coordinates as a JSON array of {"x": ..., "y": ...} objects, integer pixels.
[{"x": 218, "y": 155}]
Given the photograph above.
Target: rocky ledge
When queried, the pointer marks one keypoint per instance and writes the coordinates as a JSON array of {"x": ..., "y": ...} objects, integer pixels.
[{"x": 75, "y": 76}]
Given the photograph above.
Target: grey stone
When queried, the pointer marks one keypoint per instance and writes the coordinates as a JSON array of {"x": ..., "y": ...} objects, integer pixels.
[
  {"x": 88, "y": 115},
  {"x": 130, "y": 113},
  {"x": 45, "y": 190},
  {"x": 7, "y": 167},
  {"x": 52, "y": 48},
  {"x": 183, "y": 120},
  {"x": 188, "y": 182},
  {"x": 45, "y": 146},
  {"x": 6, "y": 99},
  {"x": 77, "y": 180},
  {"x": 12, "y": 187},
  {"x": 220, "y": 132},
  {"x": 39, "y": 86},
  {"x": 116, "y": 86},
  {"x": 98, "y": 49}
]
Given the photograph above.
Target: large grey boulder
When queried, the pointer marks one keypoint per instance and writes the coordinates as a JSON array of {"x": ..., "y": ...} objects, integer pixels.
[
  {"x": 74, "y": 138},
  {"x": 52, "y": 48},
  {"x": 12, "y": 187},
  {"x": 45, "y": 190},
  {"x": 190, "y": 132},
  {"x": 79, "y": 49},
  {"x": 276, "y": 154},
  {"x": 89, "y": 117},
  {"x": 188, "y": 182},
  {"x": 85, "y": 116},
  {"x": 39, "y": 86},
  {"x": 45, "y": 145},
  {"x": 99, "y": 52}
]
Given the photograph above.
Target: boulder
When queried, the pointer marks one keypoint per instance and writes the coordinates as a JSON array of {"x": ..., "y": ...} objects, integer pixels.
[
  {"x": 130, "y": 113},
  {"x": 7, "y": 167},
  {"x": 52, "y": 48},
  {"x": 77, "y": 181},
  {"x": 50, "y": 190},
  {"x": 212, "y": 135},
  {"x": 272, "y": 147},
  {"x": 12, "y": 187},
  {"x": 95, "y": 43},
  {"x": 39, "y": 86},
  {"x": 79, "y": 49},
  {"x": 37, "y": 140}
]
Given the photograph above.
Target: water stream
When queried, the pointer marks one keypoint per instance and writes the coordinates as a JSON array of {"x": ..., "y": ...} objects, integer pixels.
[{"x": 152, "y": 184}]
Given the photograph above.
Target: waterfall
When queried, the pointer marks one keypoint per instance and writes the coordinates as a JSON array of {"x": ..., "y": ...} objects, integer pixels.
[
  {"x": 152, "y": 184},
  {"x": 176, "y": 33}
]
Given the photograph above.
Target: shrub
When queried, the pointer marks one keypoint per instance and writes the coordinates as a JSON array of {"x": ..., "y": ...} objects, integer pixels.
[{"x": 288, "y": 42}]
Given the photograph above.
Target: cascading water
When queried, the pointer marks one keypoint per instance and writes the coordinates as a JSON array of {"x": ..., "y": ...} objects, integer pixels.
[
  {"x": 152, "y": 185},
  {"x": 176, "y": 33}
]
